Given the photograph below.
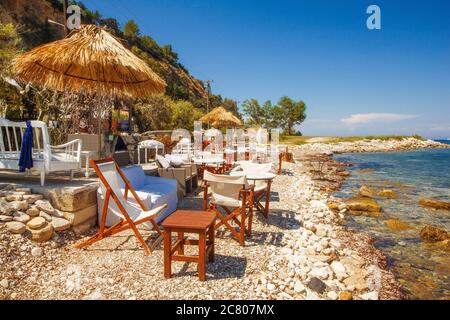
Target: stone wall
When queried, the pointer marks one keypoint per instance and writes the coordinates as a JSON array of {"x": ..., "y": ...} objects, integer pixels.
[{"x": 38, "y": 212}]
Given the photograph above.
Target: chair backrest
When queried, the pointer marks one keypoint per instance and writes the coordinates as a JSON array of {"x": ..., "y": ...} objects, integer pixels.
[
  {"x": 251, "y": 167},
  {"x": 227, "y": 186},
  {"x": 163, "y": 162},
  {"x": 111, "y": 178},
  {"x": 11, "y": 134}
]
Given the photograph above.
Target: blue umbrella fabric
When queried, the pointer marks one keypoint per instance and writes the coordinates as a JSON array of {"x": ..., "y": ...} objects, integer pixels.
[{"x": 26, "y": 151}]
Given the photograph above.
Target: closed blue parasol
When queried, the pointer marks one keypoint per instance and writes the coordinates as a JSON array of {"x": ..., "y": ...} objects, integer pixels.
[{"x": 26, "y": 151}]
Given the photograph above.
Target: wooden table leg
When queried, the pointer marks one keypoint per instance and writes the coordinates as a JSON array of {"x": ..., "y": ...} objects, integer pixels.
[
  {"x": 211, "y": 240},
  {"x": 266, "y": 208},
  {"x": 167, "y": 254},
  {"x": 181, "y": 247},
  {"x": 202, "y": 256}
]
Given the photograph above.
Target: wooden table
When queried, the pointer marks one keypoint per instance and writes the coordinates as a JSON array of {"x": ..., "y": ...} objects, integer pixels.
[{"x": 181, "y": 222}]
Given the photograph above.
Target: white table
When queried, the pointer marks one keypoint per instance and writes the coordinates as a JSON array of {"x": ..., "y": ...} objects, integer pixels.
[{"x": 259, "y": 176}]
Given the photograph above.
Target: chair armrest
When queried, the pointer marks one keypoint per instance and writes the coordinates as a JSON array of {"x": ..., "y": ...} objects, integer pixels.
[{"x": 61, "y": 146}]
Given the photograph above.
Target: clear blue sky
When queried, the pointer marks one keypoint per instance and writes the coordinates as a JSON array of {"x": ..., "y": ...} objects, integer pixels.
[{"x": 354, "y": 81}]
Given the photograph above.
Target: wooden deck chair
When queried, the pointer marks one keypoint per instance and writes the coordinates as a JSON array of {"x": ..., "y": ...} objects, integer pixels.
[
  {"x": 262, "y": 188},
  {"x": 130, "y": 217},
  {"x": 235, "y": 197}
]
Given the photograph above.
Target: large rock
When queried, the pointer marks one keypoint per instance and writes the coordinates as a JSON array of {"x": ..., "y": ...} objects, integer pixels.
[
  {"x": 436, "y": 204},
  {"x": 339, "y": 269},
  {"x": 36, "y": 223},
  {"x": 21, "y": 217},
  {"x": 60, "y": 224},
  {"x": 397, "y": 225},
  {"x": 45, "y": 205},
  {"x": 78, "y": 217},
  {"x": 42, "y": 234},
  {"x": 74, "y": 199},
  {"x": 433, "y": 234},
  {"x": 363, "y": 204},
  {"x": 444, "y": 245},
  {"x": 5, "y": 208},
  {"x": 4, "y": 218},
  {"x": 387, "y": 193},
  {"x": 16, "y": 227},
  {"x": 356, "y": 280},
  {"x": 24, "y": 191},
  {"x": 33, "y": 212},
  {"x": 32, "y": 198},
  {"x": 46, "y": 216},
  {"x": 19, "y": 205},
  {"x": 365, "y": 191},
  {"x": 14, "y": 197}
]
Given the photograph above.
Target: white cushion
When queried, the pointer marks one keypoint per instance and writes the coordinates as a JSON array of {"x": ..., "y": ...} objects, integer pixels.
[{"x": 163, "y": 162}]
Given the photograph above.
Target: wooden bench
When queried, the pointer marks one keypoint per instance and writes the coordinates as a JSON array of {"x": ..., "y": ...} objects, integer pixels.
[{"x": 46, "y": 158}]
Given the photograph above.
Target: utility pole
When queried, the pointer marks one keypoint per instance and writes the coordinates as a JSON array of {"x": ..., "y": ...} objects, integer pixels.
[
  {"x": 208, "y": 92},
  {"x": 64, "y": 24}
]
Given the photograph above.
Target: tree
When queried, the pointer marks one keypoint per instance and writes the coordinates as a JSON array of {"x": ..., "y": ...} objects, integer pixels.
[
  {"x": 290, "y": 113},
  {"x": 171, "y": 55},
  {"x": 154, "y": 113},
  {"x": 10, "y": 47},
  {"x": 231, "y": 105},
  {"x": 253, "y": 111},
  {"x": 131, "y": 31},
  {"x": 184, "y": 114}
]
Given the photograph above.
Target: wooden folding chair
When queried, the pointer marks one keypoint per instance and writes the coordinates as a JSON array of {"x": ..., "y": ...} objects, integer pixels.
[
  {"x": 235, "y": 197},
  {"x": 129, "y": 217},
  {"x": 262, "y": 188}
]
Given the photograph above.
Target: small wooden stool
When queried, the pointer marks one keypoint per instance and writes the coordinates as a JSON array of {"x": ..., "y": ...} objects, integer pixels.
[{"x": 181, "y": 222}]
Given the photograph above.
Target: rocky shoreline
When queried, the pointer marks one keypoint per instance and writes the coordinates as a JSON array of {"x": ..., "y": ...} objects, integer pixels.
[{"x": 329, "y": 175}]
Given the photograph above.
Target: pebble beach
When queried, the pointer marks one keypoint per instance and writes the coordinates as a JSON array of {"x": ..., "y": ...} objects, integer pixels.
[{"x": 302, "y": 251}]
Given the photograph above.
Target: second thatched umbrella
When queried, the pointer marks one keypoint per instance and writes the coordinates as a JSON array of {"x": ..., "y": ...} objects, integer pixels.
[
  {"x": 219, "y": 117},
  {"x": 91, "y": 61}
]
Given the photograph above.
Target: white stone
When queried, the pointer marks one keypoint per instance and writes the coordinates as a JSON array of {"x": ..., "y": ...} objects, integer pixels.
[
  {"x": 4, "y": 283},
  {"x": 45, "y": 205},
  {"x": 19, "y": 205},
  {"x": 321, "y": 273},
  {"x": 338, "y": 268},
  {"x": 370, "y": 296},
  {"x": 299, "y": 287},
  {"x": 36, "y": 252},
  {"x": 270, "y": 286},
  {"x": 332, "y": 295},
  {"x": 60, "y": 224},
  {"x": 5, "y": 218},
  {"x": 46, "y": 216}
]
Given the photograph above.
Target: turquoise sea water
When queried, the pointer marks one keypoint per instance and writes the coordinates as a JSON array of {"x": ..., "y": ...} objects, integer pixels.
[{"x": 422, "y": 269}]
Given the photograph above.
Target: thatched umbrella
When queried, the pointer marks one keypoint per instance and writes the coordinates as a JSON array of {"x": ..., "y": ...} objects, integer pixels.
[
  {"x": 219, "y": 117},
  {"x": 227, "y": 119},
  {"x": 89, "y": 60}
]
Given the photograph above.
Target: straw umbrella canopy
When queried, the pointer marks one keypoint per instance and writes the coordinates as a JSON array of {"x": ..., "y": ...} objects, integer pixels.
[
  {"x": 220, "y": 117},
  {"x": 227, "y": 120},
  {"x": 91, "y": 61}
]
